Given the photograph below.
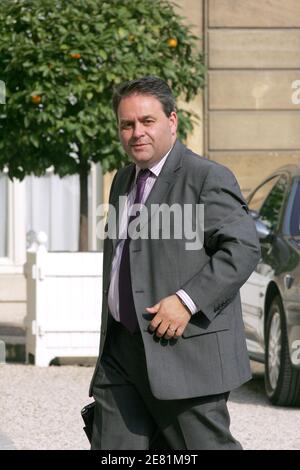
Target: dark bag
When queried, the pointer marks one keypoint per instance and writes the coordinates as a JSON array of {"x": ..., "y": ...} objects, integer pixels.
[{"x": 87, "y": 414}]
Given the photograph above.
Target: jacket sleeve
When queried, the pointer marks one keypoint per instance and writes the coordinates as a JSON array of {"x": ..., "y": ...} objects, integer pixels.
[{"x": 230, "y": 240}]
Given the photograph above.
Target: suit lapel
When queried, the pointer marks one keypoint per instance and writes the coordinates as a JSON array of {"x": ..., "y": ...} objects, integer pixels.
[{"x": 165, "y": 181}]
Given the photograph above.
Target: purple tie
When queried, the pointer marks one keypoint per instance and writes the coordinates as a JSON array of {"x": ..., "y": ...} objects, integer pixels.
[{"x": 126, "y": 303}]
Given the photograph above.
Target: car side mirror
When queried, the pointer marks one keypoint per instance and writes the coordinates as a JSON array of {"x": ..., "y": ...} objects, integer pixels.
[
  {"x": 264, "y": 233},
  {"x": 253, "y": 214}
]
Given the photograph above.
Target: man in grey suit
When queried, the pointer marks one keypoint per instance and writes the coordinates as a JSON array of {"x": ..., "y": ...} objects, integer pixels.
[{"x": 172, "y": 338}]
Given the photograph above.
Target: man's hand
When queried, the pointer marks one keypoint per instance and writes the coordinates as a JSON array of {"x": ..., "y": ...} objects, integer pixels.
[{"x": 171, "y": 317}]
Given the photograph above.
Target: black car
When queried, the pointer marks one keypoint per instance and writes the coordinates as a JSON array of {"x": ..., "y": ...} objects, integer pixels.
[{"x": 271, "y": 296}]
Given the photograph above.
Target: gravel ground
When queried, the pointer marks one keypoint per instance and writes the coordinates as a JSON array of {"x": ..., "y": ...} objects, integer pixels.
[{"x": 40, "y": 409}]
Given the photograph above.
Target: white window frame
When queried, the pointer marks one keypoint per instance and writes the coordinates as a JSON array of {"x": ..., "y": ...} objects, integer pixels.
[
  {"x": 16, "y": 235},
  {"x": 16, "y": 218}
]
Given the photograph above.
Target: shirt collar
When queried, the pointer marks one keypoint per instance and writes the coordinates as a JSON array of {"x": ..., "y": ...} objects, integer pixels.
[{"x": 155, "y": 169}]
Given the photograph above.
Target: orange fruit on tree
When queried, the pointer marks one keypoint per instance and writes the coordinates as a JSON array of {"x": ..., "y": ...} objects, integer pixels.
[
  {"x": 75, "y": 55},
  {"x": 172, "y": 42},
  {"x": 36, "y": 99}
]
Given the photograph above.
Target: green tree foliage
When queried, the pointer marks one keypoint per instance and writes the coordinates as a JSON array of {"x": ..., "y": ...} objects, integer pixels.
[{"x": 60, "y": 60}]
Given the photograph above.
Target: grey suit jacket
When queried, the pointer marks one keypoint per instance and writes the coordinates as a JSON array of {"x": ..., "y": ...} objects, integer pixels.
[{"x": 211, "y": 355}]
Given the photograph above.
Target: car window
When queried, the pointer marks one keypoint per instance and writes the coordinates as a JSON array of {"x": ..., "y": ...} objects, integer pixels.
[
  {"x": 258, "y": 198},
  {"x": 270, "y": 211},
  {"x": 295, "y": 216}
]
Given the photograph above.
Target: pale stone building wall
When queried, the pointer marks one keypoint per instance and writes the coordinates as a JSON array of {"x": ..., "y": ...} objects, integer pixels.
[
  {"x": 253, "y": 52},
  {"x": 192, "y": 12}
]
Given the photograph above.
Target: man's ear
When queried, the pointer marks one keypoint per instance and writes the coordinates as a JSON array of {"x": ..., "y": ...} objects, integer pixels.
[{"x": 173, "y": 119}]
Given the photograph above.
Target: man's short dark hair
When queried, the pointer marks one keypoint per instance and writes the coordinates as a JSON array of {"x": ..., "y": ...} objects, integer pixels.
[{"x": 148, "y": 85}]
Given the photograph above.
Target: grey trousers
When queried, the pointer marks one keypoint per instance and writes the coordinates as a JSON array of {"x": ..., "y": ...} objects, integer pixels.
[{"x": 129, "y": 417}]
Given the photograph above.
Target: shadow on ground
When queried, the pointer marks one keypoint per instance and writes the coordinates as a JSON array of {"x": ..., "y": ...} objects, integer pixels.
[{"x": 253, "y": 392}]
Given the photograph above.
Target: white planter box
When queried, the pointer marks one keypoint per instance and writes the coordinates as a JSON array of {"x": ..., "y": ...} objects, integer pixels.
[{"x": 64, "y": 297}]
